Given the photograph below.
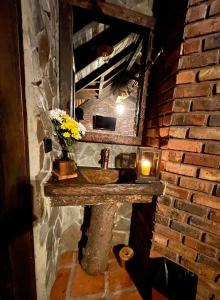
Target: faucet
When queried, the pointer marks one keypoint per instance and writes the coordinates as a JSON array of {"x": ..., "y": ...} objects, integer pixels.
[{"x": 105, "y": 158}]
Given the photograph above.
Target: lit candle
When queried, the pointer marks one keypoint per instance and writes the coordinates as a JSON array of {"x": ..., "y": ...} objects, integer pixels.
[{"x": 145, "y": 167}]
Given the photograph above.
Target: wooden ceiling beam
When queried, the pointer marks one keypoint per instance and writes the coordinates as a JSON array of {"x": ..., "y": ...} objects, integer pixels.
[
  {"x": 116, "y": 11},
  {"x": 106, "y": 68}
]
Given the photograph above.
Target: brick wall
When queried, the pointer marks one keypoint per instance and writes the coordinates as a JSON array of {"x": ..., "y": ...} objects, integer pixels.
[
  {"x": 106, "y": 106},
  {"x": 187, "y": 228}
]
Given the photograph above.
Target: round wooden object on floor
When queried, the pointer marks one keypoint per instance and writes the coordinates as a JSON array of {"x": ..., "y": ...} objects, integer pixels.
[{"x": 125, "y": 254}]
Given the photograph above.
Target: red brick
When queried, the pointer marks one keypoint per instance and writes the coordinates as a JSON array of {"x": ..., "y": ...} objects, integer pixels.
[
  {"x": 182, "y": 250},
  {"x": 205, "y": 225},
  {"x": 211, "y": 73},
  {"x": 181, "y": 105},
  {"x": 205, "y": 133},
  {"x": 195, "y": 90},
  {"x": 160, "y": 239},
  {"x": 198, "y": 60},
  {"x": 192, "y": 46},
  {"x": 166, "y": 120},
  {"x": 173, "y": 214},
  {"x": 165, "y": 251},
  {"x": 202, "y": 160},
  {"x": 212, "y": 103},
  {"x": 167, "y": 232},
  {"x": 212, "y": 147},
  {"x": 172, "y": 155},
  {"x": 199, "y": 246},
  {"x": 196, "y": 13},
  {"x": 189, "y": 119},
  {"x": 152, "y": 133},
  {"x": 196, "y": 184},
  {"x": 178, "y": 132},
  {"x": 164, "y": 199},
  {"x": 214, "y": 120},
  {"x": 212, "y": 240},
  {"x": 164, "y": 132},
  {"x": 166, "y": 108},
  {"x": 193, "y": 2},
  {"x": 200, "y": 269},
  {"x": 217, "y": 192},
  {"x": 179, "y": 168},
  {"x": 212, "y": 42},
  {"x": 162, "y": 220},
  {"x": 169, "y": 177},
  {"x": 185, "y": 77},
  {"x": 185, "y": 145},
  {"x": 210, "y": 174},
  {"x": 214, "y": 215},
  {"x": 202, "y": 27},
  {"x": 208, "y": 261},
  {"x": 209, "y": 201},
  {"x": 186, "y": 229},
  {"x": 210, "y": 286},
  {"x": 191, "y": 208},
  {"x": 215, "y": 8}
]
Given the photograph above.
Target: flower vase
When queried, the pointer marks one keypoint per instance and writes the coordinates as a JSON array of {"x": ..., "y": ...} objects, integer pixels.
[{"x": 64, "y": 168}]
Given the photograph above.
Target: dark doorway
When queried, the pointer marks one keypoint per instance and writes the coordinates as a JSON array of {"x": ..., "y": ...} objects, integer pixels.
[{"x": 17, "y": 279}]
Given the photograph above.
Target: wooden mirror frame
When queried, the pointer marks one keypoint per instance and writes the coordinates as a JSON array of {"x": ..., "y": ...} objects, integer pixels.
[{"x": 67, "y": 72}]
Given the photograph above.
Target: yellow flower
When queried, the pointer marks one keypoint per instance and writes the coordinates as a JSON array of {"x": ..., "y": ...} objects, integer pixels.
[{"x": 66, "y": 134}]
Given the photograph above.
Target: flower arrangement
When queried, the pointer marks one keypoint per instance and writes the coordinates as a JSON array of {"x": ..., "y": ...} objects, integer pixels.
[{"x": 66, "y": 128}]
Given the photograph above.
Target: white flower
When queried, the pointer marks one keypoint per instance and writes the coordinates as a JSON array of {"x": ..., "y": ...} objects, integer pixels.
[
  {"x": 57, "y": 114},
  {"x": 82, "y": 128}
]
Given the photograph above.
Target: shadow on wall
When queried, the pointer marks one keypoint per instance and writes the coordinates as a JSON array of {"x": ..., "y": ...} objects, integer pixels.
[{"x": 168, "y": 35}]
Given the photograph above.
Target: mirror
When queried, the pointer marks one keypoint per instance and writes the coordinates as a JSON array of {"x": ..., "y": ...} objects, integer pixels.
[{"x": 105, "y": 88}]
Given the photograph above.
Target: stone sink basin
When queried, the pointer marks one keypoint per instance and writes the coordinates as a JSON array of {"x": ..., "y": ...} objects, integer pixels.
[{"x": 99, "y": 175}]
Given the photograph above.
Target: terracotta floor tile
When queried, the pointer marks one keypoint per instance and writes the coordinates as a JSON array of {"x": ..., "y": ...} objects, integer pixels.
[
  {"x": 58, "y": 291},
  {"x": 130, "y": 296},
  {"x": 118, "y": 277},
  {"x": 158, "y": 296},
  {"x": 84, "y": 284},
  {"x": 66, "y": 258}
]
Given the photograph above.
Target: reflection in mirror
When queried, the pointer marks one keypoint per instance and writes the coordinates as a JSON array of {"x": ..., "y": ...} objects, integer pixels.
[{"x": 110, "y": 62}]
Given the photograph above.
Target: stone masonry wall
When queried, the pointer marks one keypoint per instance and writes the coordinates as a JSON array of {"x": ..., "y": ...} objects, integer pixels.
[
  {"x": 187, "y": 228},
  {"x": 40, "y": 39}
]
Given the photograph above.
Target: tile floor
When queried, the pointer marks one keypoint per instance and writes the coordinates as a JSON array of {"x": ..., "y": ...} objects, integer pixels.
[{"x": 72, "y": 283}]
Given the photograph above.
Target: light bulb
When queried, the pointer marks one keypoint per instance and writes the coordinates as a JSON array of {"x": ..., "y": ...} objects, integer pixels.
[{"x": 120, "y": 108}]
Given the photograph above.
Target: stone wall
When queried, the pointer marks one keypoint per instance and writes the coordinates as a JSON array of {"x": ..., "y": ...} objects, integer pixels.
[
  {"x": 185, "y": 125},
  {"x": 40, "y": 41}
]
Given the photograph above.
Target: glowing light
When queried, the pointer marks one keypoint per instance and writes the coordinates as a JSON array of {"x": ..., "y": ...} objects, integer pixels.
[
  {"x": 145, "y": 167},
  {"x": 120, "y": 108}
]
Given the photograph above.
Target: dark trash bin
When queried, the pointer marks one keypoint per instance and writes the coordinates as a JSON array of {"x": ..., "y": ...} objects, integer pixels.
[{"x": 172, "y": 280}]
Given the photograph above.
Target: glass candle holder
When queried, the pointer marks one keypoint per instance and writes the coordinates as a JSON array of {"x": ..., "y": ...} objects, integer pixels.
[{"x": 147, "y": 164}]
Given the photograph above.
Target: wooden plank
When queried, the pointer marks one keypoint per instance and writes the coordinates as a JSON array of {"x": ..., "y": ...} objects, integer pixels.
[
  {"x": 79, "y": 187},
  {"x": 66, "y": 57},
  {"x": 101, "y": 83},
  {"x": 115, "y": 11},
  {"x": 96, "y": 200},
  {"x": 135, "y": 54}
]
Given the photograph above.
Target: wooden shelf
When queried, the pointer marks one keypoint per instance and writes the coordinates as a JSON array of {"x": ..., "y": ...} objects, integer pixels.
[{"x": 77, "y": 191}]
